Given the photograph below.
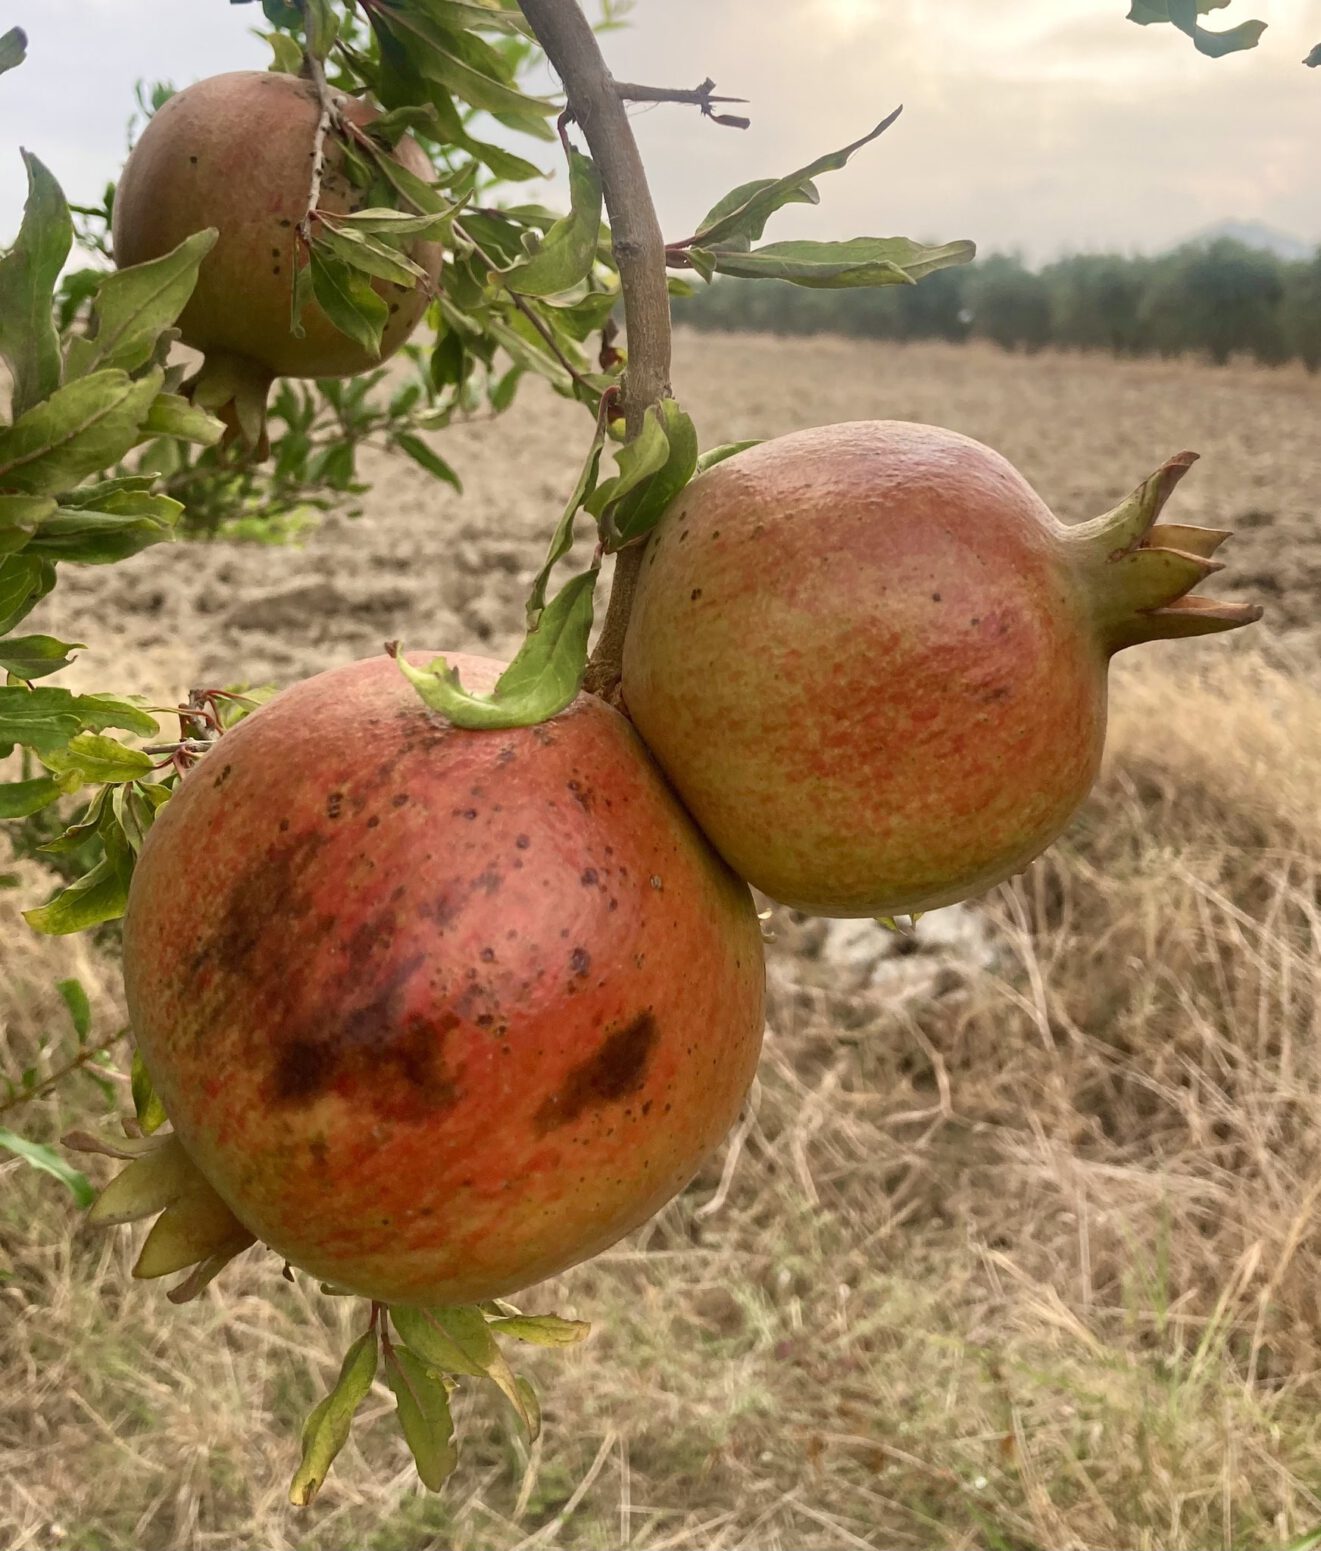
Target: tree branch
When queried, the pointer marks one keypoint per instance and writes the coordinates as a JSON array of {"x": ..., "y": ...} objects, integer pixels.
[
  {"x": 699, "y": 97},
  {"x": 85, "y": 1056},
  {"x": 595, "y": 104}
]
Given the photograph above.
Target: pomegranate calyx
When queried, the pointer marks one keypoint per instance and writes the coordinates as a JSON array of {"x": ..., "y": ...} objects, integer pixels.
[
  {"x": 1142, "y": 572},
  {"x": 236, "y": 389}
]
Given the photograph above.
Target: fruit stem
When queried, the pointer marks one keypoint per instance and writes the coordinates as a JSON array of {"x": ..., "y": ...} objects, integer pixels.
[{"x": 639, "y": 248}]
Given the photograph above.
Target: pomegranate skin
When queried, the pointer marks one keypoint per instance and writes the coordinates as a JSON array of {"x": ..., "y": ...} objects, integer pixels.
[
  {"x": 861, "y": 655},
  {"x": 438, "y": 1012},
  {"x": 234, "y": 151}
]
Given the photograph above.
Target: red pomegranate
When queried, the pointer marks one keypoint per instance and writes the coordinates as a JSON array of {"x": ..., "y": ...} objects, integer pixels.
[
  {"x": 873, "y": 663},
  {"x": 235, "y": 152},
  {"x": 438, "y": 1012}
]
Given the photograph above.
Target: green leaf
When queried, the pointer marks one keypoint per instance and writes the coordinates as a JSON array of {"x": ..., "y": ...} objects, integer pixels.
[
  {"x": 744, "y": 212},
  {"x": 1314, "y": 58},
  {"x": 20, "y": 516},
  {"x": 381, "y": 221},
  {"x": 714, "y": 455},
  {"x": 49, "y": 1162},
  {"x": 135, "y": 306},
  {"x": 320, "y": 26},
  {"x": 423, "y": 1402},
  {"x": 80, "y": 1009},
  {"x": 98, "y": 760},
  {"x": 636, "y": 461},
  {"x": 542, "y": 1329},
  {"x": 368, "y": 256},
  {"x": 131, "y": 522},
  {"x": 633, "y": 514},
  {"x": 326, "y": 1430},
  {"x": 98, "y": 493},
  {"x": 348, "y": 300},
  {"x": 562, "y": 539},
  {"x": 44, "y": 720},
  {"x": 460, "y": 14},
  {"x": 861, "y": 261},
  {"x": 28, "y": 276},
  {"x": 1184, "y": 13},
  {"x": 134, "y": 805},
  {"x": 471, "y": 69},
  {"x": 568, "y": 250},
  {"x": 288, "y": 57},
  {"x": 425, "y": 1333},
  {"x": 13, "y": 49},
  {"x": 35, "y": 656},
  {"x": 465, "y": 1330},
  {"x": 427, "y": 458},
  {"x": 80, "y": 429},
  {"x": 21, "y": 799},
  {"x": 146, "y": 1104},
  {"x": 507, "y": 167},
  {"x": 174, "y": 415},
  {"x": 81, "y": 831},
  {"x": 542, "y": 679},
  {"x": 24, "y": 582},
  {"x": 98, "y": 896}
]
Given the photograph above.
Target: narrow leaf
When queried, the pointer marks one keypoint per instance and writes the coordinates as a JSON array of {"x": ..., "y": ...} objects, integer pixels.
[
  {"x": 423, "y": 1405},
  {"x": 748, "y": 218},
  {"x": 24, "y": 582},
  {"x": 174, "y": 415},
  {"x": 146, "y": 1102},
  {"x": 568, "y": 250},
  {"x": 714, "y": 455},
  {"x": 97, "y": 760},
  {"x": 28, "y": 276},
  {"x": 632, "y": 515},
  {"x": 542, "y": 679},
  {"x": 49, "y": 1162},
  {"x": 80, "y": 429},
  {"x": 348, "y": 300},
  {"x": 135, "y": 306},
  {"x": 368, "y": 255},
  {"x": 428, "y": 458},
  {"x": 35, "y": 656},
  {"x": 100, "y": 895},
  {"x": 326, "y": 1430},
  {"x": 562, "y": 539},
  {"x": 542, "y": 1329},
  {"x": 13, "y": 49},
  {"x": 21, "y": 799},
  {"x": 74, "y": 998}
]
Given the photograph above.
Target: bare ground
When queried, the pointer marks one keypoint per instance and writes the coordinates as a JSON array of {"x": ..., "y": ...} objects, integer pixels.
[{"x": 1016, "y": 1245}]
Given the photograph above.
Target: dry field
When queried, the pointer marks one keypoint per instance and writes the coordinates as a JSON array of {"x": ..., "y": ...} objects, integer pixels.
[{"x": 1018, "y": 1244}]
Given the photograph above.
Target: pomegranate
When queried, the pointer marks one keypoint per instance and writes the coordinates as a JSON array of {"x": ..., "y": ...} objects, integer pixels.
[
  {"x": 438, "y": 1012},
  {"x": 235, "y": 152},
  {"x": 874, "y": 664}
]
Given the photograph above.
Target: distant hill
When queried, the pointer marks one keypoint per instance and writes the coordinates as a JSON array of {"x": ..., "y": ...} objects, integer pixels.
[{"x": 1255, "y": 234}]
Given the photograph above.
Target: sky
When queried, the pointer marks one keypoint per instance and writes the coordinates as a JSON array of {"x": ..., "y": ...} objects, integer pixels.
[{"x": 1043, "y": 126}]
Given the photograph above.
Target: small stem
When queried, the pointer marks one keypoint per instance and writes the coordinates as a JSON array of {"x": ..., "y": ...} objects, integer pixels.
[
  {"x": 595, "y": 104},
  {"x": 86, "y": 1054},
  {"x": 698, "y": 96},
  {"x": 328, "y": 117},
  {"x": 528, "y": 311}
]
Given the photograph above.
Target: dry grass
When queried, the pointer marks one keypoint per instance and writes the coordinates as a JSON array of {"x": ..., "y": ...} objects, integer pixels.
[{"x": 1031, "y": 1261}]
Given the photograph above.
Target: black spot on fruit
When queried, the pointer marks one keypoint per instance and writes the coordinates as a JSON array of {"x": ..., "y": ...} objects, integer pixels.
[
  {"x": 580, "y": 961},
  {"x": 588, "y": 878},
  {"x": 618, "y": 1068},
  {"x": 334, "y": 805}
]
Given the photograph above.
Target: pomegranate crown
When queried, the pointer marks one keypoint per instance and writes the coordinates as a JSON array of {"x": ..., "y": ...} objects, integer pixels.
[{"x": 1144, "y": 570}]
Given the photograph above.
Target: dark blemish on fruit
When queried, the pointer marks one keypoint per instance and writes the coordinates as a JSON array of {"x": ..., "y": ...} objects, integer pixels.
[
  {"x": 488, "y": 955},
  {"x": 465, "y": 813},
  {"x": 522, "y": 842},
  {"x": 488, "y": 882},
  {"x": 222, "y": 777},
  {"x": 399, "y": 800},
  {"x": 372, "y": 937},
  {"x": 285, "y": 221},
  {"x": 588, "y": 878},
  {"x": 994, "y": 693},
  {"x": 284, "y": 826},
  {"x": 655, "y": 881},
  {"x": 275, "y": 252},
  {"x": 585, "y": 799},
  {"x": 614, "y": 903},
  {"x": 193, "y": 159},
  {"x": 564, "y": 931},
  {"x": 617, "y": 1069},
  {"x": 683, "y": 535},
  {"x": 715, "y": 533},
  {"x": 270, "y": 895},
  {"x": 695, "y": 594},
  {"x": 975, "y": 620},
  {"x": 334, "y": 805},
  {"x": 580, "y": 961},
  {"x": 506, "y": 756},
  {"x": 444, "y": 910},
  {"x": 374, "y": 821},
  {"x": 935, "y": 597}
]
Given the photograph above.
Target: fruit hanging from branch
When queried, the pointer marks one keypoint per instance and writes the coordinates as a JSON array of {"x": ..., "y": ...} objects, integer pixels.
[
  {"x": 438, "y": 1012},
  {"x": 873, "y": 662},
  {"x": 264, "y": 160}
]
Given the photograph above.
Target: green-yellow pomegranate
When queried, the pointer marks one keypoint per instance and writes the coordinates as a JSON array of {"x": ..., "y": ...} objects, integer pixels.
[
  {"x": 874, "y": 664},
  {"x": 435, "y": 1012},
  {"x": 236, "y": 152}
]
